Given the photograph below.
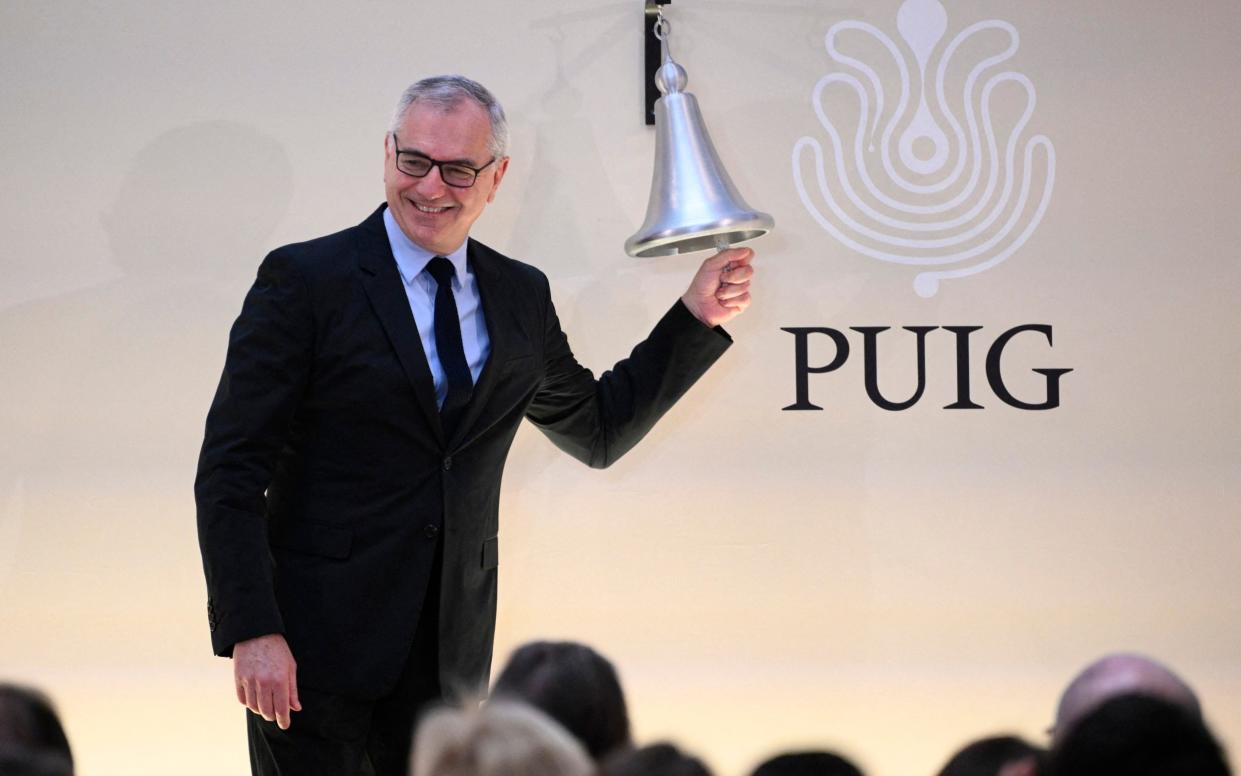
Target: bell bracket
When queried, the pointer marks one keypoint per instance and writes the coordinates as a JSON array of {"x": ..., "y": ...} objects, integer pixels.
[{"x": 653, "y": 58}]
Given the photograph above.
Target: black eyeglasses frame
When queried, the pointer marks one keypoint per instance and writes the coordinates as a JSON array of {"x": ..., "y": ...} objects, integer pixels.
[{"x": 433, "y": 163}]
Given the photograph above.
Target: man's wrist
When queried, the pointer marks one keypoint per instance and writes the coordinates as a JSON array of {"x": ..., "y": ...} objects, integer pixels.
[{"x": 695, "y": 311}]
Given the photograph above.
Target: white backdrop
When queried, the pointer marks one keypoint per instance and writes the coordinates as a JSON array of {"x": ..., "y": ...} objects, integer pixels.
[{"x": 889, "y": 583}]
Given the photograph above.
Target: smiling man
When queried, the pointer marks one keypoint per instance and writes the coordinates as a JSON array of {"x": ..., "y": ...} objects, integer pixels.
[
  {"x": 349, "y": 480},
  {"x": 436, "y": 211}
]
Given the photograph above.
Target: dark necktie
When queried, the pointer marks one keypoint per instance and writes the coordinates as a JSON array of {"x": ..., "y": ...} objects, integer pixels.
[{"x": 448, "y": 344}]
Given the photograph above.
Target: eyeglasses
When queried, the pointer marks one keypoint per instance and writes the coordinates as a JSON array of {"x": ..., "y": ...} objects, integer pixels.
[{"x": 455, "y": 174}]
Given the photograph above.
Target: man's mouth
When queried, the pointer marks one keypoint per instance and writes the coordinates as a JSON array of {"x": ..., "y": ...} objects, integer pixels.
[{"x": 427, "y": 209}]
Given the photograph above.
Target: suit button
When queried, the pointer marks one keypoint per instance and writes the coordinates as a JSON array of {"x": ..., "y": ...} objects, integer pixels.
[
  {"x": 431, "y": 530},
  {"x": 447, "y": 462}
]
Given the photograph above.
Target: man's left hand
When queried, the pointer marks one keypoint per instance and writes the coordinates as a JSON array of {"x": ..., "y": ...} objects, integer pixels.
[{"x": 720, "y": 290}]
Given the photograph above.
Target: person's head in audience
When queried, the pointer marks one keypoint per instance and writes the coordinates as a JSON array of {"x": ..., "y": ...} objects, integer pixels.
[
  {"x": 807, "y": 764},
  {"x": 26, "y": 762},
  {"x": 575, "y": 686},
  {"x": 1116, "y": 674},
  {"x": 28, "y": 723},
  {"x": 996, "y": 756},
  {"x": 499, "y": 739},
  {"x": 1139, "y": 735},
  {"x": 661, "y": 759}
]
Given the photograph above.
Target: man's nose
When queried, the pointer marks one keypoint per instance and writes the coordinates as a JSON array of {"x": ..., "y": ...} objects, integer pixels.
[{"x": 432, "y": 184}]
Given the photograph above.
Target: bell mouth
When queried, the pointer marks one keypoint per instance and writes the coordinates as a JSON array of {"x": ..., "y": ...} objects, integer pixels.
[{"x": 672, "y": 242}]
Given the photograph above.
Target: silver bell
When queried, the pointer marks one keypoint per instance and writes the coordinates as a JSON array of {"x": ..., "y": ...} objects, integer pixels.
[{"x": 694, "y": 205}]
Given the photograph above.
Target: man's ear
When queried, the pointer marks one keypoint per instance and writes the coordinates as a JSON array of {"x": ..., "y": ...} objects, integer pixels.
[{"x": 501, "y": 168}]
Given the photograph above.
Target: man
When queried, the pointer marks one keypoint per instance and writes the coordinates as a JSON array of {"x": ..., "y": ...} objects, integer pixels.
[
  {"x": 1120, "y": 673},
  {"x": 1135, "y": 734},
  {"x": 349, "y": 479}
]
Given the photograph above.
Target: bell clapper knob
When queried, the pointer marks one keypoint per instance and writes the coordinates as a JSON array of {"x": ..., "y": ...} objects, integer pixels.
[{"x": 670, "y": 78}]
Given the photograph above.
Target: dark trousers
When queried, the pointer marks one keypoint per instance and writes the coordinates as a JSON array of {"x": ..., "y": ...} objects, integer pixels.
[{"x": 340, "y": 736}]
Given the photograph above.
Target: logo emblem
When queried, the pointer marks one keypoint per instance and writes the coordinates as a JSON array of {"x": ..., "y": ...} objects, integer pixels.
[{"x": 932, "y": 178}]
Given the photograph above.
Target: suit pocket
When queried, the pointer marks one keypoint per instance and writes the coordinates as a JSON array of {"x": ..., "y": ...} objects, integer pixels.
[
  {"x": 491, "y": 553},
  {"x": 329, "y": 541}
]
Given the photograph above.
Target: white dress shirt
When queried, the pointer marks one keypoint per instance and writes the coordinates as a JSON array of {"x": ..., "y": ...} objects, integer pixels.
[{"x": 420, "y": 288}]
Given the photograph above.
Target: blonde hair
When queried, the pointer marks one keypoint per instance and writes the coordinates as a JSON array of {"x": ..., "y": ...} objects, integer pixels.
[{"x": 503, "y": 738}]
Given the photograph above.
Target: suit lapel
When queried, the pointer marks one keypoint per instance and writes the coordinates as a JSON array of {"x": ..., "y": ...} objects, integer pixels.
[
  {"x": 503, "y": 330},
  {"x": 386, "y": 292}
]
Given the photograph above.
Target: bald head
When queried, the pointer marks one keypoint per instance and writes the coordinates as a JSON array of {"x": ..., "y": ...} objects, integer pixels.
[{"x": 1119, "y": 674}]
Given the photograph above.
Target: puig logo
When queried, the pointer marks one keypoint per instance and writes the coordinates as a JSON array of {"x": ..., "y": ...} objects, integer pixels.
[{"x": 949, "y": 199}]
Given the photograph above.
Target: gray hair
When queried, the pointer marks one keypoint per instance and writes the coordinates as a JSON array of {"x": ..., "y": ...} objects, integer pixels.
[
  {"x": 503, "y": 738},
  {"x": 447, "y": 92}
]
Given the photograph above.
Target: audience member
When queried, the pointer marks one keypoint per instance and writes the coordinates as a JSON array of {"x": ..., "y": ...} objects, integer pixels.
[
  {"x": 557, "y": 705},
  {"x": 1119, "y": 674},
  {"x": 575, "y": 686},
  {"x": 29, "y": 724},
  {"x": 661, "y": 759},
  {"x": 1139, "y": 735},
  {"x": 499, "y": 739},
  {"x": 996, "y": 756},
  {"x": 807, "y": 764},
  {"x": 26, "y": 762}
]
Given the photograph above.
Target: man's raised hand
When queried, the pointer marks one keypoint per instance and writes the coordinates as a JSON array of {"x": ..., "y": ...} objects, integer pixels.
[{"x": 720, "y": 290}]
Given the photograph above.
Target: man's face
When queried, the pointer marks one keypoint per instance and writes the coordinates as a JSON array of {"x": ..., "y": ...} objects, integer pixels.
[{"x": 433, "y": 214}]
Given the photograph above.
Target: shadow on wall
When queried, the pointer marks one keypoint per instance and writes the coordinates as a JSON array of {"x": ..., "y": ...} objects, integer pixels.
[
  {"x": 566, "y": 161},
  {"x": 108, "y": 386}
]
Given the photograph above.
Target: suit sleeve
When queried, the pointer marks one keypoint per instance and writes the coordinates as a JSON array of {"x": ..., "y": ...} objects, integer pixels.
[
  {"x": 265, "y": 373},
  {"x": 598, "y": 421}
]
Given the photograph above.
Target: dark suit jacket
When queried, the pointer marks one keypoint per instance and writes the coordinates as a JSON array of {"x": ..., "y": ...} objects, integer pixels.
[{"x": 325, "y": 477}]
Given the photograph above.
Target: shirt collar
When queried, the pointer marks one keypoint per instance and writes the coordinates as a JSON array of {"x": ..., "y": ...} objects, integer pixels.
[{"x": 411, "y": 258}]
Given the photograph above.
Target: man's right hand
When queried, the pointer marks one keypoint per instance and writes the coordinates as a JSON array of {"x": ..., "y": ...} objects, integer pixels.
[{"x": 265, "y": 676}]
